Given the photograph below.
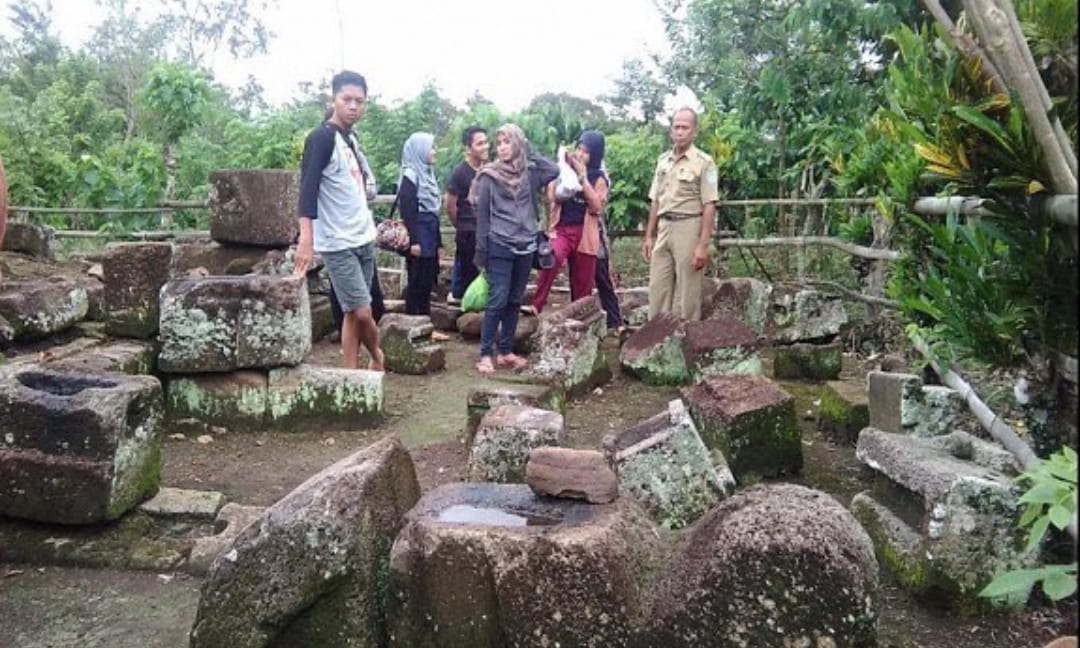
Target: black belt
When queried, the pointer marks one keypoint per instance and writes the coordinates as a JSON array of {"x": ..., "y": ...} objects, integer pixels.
[{"x": 678, "y": 217}]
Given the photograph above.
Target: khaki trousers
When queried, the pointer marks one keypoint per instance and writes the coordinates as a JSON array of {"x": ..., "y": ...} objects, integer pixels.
[{"x": 674, "y": 285}]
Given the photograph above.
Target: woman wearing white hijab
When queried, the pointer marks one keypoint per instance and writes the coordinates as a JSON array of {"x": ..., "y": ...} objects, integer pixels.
[{"x": 419, "y": 201}]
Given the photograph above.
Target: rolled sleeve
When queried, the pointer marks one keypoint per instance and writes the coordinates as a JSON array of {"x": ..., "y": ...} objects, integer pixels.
[{"x": 710, "y": 181}]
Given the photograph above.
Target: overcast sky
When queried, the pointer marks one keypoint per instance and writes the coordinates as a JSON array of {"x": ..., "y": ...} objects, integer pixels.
[{"x": 508, "y": 50}]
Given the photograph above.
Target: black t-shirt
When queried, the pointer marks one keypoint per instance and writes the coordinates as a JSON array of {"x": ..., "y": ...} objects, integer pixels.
[{"x": 460, "y": 182}]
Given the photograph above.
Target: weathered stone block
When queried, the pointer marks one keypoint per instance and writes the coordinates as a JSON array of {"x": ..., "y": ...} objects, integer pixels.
[
  {"x": 254, "y": 207},
  {"x": 214, "y": 258},
  {"x": 236, "y": 400},
  {"x": 634, "y": 305},
  {"x": 37, "y": 309},
  {"x": 505, "y": 437},
  {"x": 121, "y": 356},
  {"x": 900, "y": 403},
  {"x": 312, "y": 570},
  {"x": 777, "y": 565},
  {"x": 230, "y": 522},
  {"x": 654, "y": 353},
  {"x": 663, "y": 464},
  {"x": 226, "y": 323},
  {"x": 948, "y": 492},
  {"x": 77, "y": 449},
  {"x": 741, "y": 299},
  {"x": 182, "y": 502},
  {"x": 134, "y": 275},
  {"x": 335, "y": 398},
  {"x": 571, "y": 474},
  {"x": 750, "y": 421},
  {"x": 484, "y": 565},
  {"x": 445, "y": 316},
  {"x": 406, "y": 343},
  {"x": 720, "y": 346},
  {"x": 805, "y": 316},
  {"x": 801, "y": 361},
  {"x": 569, "y": 347},
  {"x": 492, "y": 393},
  {"x": 844, "y": 411},
  {"x": 38, "y": 241}
]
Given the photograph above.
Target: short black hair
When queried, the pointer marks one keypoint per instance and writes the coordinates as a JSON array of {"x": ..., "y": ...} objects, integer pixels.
[
  {"x": 469, "y": 134},
  {"x": 347, "y": 77}
]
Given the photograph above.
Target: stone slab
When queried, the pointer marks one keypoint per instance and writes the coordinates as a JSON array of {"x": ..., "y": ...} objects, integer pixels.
[
  {"x": 230, "y": 522},
  {"x": 183, "y": 502},
  {"x": 237, "y": 400},
  {"x": 38, "y": 241},
  {"x": 571, "y": 474},
  {"x": 506, "y": 435},
  {"x": 494, "y": 392},
  {"x": 844, "y": 410},
  {"x": 329, "y": 397},
  {"x": 255, "y": 207},
  {"x": 134, "y": 274},
  {"x": 36, "y": 309},
  {"x": 803, "y": 361}
]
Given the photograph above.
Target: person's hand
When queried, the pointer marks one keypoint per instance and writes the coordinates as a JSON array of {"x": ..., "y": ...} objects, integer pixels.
[
  {"x": 701, "y": 256},
  {"x": 414, "y": 250},
  {"x": 304, "y": 255},
  {"x": 576, "y": 165},
  {"x": 646, "y": 248}
]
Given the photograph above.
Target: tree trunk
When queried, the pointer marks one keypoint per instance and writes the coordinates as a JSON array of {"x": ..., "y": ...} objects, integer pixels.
[
  {"x": 999, "y": 31},
  {"x": 3, "y": 202},
  {"x": 966, "y": 45},
  {"x": 170, "y": 182}
]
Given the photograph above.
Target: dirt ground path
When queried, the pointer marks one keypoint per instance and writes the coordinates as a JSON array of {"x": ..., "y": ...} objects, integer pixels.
[{"x": 54, "y": 607}]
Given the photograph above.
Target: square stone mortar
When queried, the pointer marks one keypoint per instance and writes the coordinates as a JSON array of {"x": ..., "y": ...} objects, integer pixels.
[
  {"x": 77, "y": 449},
  {"x": 945, "y": 520},
  {"x": 751, "y": 421}
]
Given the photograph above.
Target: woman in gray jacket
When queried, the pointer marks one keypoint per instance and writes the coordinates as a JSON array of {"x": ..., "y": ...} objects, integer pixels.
[{"x": 504, "y": 193}]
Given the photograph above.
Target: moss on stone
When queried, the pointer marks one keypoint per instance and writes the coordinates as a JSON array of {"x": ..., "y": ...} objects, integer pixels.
[{"x": 807, "y": 362}]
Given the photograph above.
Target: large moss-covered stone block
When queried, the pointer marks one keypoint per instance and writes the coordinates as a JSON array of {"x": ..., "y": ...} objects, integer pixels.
[
  {"x": 255, "y": 207},
  {"x": 331, "y": 397},
  {"x": 406, "y": 342},
  {"x": 654, "y": 353},
  {"x": 569, "y": 344},
  {"x": 742, "y": 299},
  {"x": 800, "y": 315},
  {"x": 237, "y": 400},
  {"x": 944, "y": 513},
  {"x": 777, "y": 565},
  {"x": 502, "y": 391},
  {"x": 227, "y": 323},
  {"x": 492, "y": 565},
  {"x": 720, "y": 346},
  {"x": 134, "y": 274},
  {"x": 844, "y": 410},
  {"x": 802, "y": 361},
  {"x": 77, "y": 449},
  {"x": 312, "y": 570},
  {"x": 36, "y": 309},
  {"x": 663, "y": 464},
  {"x": 505, "y": 437},
  {"x": 751, "y": 421}
]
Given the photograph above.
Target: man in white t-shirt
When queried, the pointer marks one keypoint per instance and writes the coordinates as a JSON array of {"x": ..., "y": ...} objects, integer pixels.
[{"x": 335, "y": 219}]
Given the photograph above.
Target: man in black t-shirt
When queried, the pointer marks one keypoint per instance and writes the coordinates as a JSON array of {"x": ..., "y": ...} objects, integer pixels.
[{"x": 460, "y": 210}]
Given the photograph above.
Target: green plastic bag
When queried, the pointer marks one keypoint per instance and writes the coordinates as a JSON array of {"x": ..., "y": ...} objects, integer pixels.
[{"x": 475, "y": 298}]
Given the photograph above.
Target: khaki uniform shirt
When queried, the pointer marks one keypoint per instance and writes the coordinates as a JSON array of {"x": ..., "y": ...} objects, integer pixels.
[{"x": 682, "y": 186}]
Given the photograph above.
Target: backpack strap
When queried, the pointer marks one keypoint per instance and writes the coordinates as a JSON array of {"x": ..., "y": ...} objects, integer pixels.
[{"x": 348, "y": 137}]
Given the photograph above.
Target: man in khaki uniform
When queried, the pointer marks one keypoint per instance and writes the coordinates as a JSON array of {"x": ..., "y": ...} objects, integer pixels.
[{"x": 683, "y": 208}]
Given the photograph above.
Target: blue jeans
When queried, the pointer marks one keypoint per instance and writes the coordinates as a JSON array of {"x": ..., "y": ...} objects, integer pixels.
[
  {"x": 507, "y": 275},
  {"x": 464, "y": 269}
]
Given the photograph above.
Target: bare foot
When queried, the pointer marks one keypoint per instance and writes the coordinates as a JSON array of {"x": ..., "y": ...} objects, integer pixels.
[
  {"x": 377, "y": 362},
  {"x": 484, "y": 366},
  {"x": 439, "y": 336},
  {"x": 511, "y": 361}
]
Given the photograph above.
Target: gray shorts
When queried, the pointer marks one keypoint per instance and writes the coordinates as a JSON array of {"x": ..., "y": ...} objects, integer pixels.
[{"x": 350, "y": 272}]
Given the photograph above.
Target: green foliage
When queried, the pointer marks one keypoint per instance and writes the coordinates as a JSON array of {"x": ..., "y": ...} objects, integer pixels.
[
  {"x": 1050, "y": 500},
  {"x": 630, "y": 159},
  {"x": 177, "y": 95},
  {"x": 858, "y": 229},
  {"x": 960, "y": 287}
]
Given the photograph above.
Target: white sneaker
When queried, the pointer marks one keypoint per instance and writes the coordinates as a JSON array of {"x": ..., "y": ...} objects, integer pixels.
[{"x": 452, "y": 301}]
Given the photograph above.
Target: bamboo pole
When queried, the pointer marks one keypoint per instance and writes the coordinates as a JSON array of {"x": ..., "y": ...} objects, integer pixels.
[
  {"x": 992, "y": 423},
  {"x": 850, "y": 248}
]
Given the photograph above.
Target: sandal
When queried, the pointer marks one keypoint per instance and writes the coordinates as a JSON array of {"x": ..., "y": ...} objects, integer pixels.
[
  {"x": 511, "y": 361},
  {"x": 484, "y": 366}
]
